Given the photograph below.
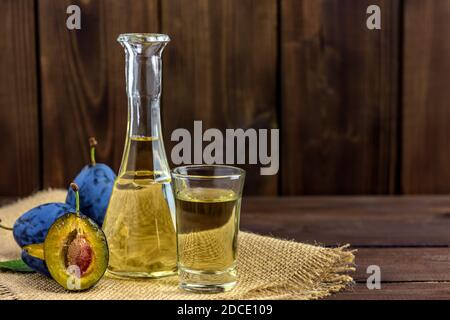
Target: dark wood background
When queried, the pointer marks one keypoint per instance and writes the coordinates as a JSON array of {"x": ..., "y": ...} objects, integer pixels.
[{"x": 360, "y": 111}]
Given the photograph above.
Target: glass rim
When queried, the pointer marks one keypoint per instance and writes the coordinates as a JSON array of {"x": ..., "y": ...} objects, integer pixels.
[
  {"x": 239, "y": 172},
  {"x": 143, "y": 37}
]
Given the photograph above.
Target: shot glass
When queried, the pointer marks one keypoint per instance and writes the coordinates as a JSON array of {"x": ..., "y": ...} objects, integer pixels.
[{"x": 208, "y": 204}]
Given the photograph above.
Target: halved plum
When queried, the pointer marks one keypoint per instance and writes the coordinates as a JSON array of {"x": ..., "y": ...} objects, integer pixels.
[{"x": 76, "y": 252}]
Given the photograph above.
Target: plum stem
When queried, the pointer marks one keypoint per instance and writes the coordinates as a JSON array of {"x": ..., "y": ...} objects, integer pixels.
[
  {"x": 76, "y": 189},
  {"x": 5, "y": 227},
  {"x": 93, "y": 144}
]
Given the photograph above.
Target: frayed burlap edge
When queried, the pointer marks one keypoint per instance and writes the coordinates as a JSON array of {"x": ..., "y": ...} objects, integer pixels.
[
  {"x": 6, "y": 294},
  {"x": 331, "y": 279}
]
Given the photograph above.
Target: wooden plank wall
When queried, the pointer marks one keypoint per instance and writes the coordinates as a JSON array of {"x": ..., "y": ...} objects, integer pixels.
[
  {"x": 426, "y": 98},
  {"x": 360, "y": 111},
  {"x": 339, "y": 97},
  {"x": 221, "y": 68},
  {"x": 83, "y": 85},
  {"x": 19, "y": 114}
]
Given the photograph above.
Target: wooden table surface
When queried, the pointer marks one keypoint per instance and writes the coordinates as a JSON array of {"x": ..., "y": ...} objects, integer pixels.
[{"x": 407, "y": 237}]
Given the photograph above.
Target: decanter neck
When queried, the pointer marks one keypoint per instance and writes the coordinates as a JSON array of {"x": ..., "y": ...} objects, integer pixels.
[
  {"x": 144, "y": 155},
  {"x": 143, "y": 82}
]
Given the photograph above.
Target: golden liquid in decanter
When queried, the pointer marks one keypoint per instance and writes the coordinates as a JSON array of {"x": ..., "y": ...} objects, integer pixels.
[{"x": 140, "y": 222}]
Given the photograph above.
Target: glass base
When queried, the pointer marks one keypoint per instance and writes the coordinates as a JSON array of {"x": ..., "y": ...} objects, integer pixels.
[
  {"x": 140, "y": 275},
  {"x": 207, "y": 282}
]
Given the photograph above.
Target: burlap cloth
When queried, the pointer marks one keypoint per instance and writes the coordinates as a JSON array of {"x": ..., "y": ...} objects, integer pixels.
[{"x": 268, "y": 268}]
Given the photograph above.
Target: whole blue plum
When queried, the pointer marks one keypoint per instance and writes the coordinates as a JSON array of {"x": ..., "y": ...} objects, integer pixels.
[
  {"x": 95, "y": 182},
  {"x": 36, "y": 264},
  {"x": 32, "y": 228}
]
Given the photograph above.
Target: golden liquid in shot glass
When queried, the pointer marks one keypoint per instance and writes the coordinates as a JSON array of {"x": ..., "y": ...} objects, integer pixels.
[{"x": 208, "y": 223}]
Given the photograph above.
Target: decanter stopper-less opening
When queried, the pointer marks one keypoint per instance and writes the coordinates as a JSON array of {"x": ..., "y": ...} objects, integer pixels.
[{"x": 140, "y": 220}]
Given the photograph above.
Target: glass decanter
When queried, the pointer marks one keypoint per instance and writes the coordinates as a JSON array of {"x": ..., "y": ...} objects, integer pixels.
[{"x": 140, "y": 220}]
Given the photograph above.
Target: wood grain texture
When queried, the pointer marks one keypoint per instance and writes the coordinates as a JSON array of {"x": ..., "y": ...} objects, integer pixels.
[
  {"x": 83, "y": 82},
  {"x": 339, "y": 97},
  {"x": 397, "y": 291},
  {"x": 426, "y": 97},
  {"x": 19, "y": 125},
  {"x": 404, "y": 264},
  {"x": 221, "y": 69},
  {"x": 360, "y": 221}
]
